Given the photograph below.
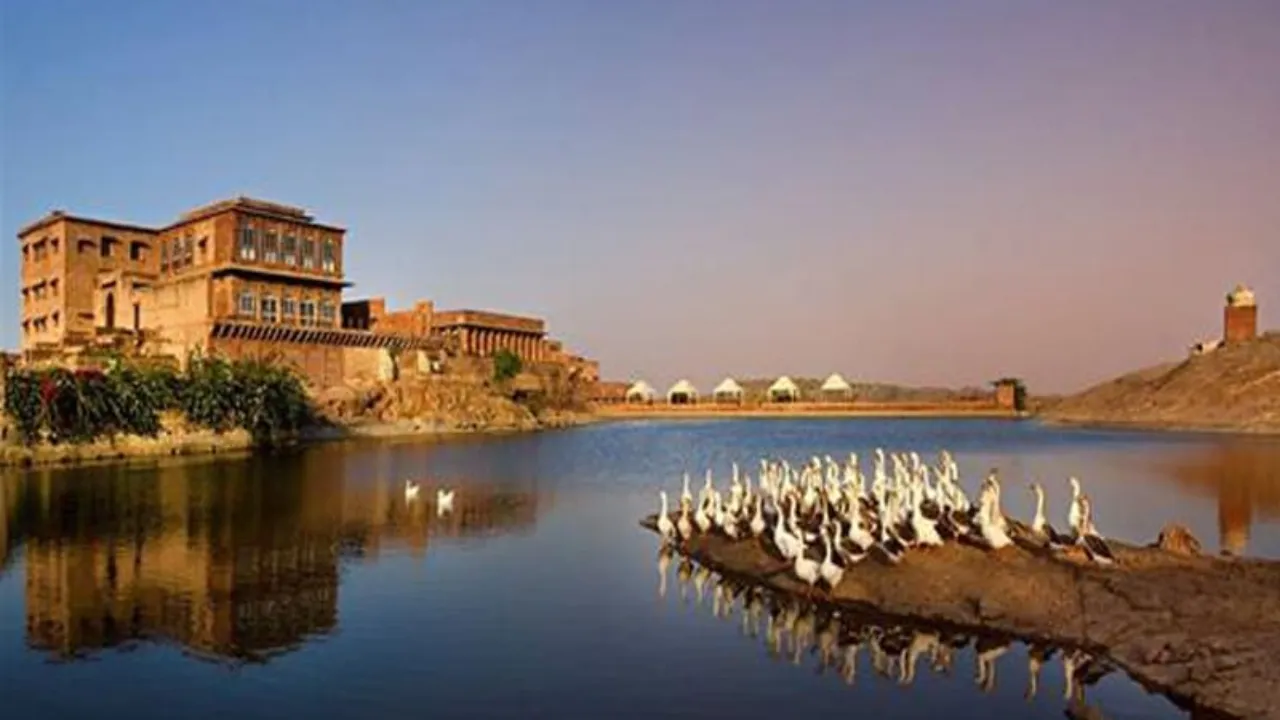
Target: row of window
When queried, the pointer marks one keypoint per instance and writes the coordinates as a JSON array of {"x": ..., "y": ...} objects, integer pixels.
[
  {"x": 270, "y": 308},
  {"x": 180, "y": 253},
  {"x": 271, "y": 247},
  {"x": 40, "y": 291},
  {"x": 46, "y": 247},
  {"x": 40, "y": 324}
]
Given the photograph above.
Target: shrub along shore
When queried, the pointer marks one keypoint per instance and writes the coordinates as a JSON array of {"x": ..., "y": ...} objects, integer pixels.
[
  {"x": 57, "y": 416},
  {"x": 216, "y": 403}
]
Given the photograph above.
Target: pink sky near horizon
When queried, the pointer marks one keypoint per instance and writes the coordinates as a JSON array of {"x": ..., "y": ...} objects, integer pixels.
[{"x": 925, "y": 194}]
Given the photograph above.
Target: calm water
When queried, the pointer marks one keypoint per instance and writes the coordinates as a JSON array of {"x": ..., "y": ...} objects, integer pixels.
[{"x": 302, "y": 585}]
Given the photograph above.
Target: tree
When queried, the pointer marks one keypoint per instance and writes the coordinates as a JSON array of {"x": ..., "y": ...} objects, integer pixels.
[{"x": 506, "y": 365}]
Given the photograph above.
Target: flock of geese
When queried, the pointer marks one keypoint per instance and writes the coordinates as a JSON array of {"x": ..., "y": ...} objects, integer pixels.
[
  {"x": 793, "y": 629},
  {"x": 444, "y": 497},
  {"x": 825, "y": 517}
]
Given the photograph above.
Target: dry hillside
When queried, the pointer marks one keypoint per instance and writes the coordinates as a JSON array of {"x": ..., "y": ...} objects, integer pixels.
[{"x": 1233, "y": 388}]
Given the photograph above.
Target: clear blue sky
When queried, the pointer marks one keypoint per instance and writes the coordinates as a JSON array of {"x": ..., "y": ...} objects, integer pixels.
[{"x": 923, "y": 192}]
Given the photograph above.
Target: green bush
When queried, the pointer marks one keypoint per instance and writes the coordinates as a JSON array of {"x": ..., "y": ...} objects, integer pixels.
[
  {"x": 506, "y": 365},
  {"x": 65, "y": 406}
]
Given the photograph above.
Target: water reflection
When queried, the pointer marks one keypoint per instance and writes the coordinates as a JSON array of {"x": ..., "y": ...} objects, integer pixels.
[
  {"x": 231, "y": 563},
  {"x": 1243, "y": 475},
  {"x": 793, "y": 630}
]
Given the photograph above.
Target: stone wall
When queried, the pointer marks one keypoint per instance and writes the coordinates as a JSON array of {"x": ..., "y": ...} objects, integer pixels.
[
  {"x": 321, "y": 365},
  {"x": 178, "y": 312}
]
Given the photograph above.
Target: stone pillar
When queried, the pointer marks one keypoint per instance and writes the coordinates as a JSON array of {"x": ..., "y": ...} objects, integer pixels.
[
  {"x": 1240, "y": 317},
  {"x": 1240, "y": 323}
]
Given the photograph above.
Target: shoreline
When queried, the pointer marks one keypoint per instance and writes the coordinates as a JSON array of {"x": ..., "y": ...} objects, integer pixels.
[
  {"x": 887, "y": 410},
  {"x": 204, "y": 443},
  {"x": 1170, "y": 427},
  {"x": 192, "y": 444}
]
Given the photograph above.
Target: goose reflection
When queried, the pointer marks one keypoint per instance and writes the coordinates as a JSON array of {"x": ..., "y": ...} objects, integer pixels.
[
  {"x": 986, "y": 652},
  {"x": 793, "y": 630},
  {"x": 664, "y": 563}
]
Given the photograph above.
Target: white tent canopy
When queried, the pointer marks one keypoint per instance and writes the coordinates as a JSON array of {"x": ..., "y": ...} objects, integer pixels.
[
  {"x": 641, "y": 391},
  {"x": 836, "y": 383},
  {"x": 784, "y": 388},
  {"x": 682, "y": 392},
  {"x": 728, "y": 386}
]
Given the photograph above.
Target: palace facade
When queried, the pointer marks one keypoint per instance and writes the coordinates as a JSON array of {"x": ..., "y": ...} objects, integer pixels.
[{"x": 240, "y": 278}]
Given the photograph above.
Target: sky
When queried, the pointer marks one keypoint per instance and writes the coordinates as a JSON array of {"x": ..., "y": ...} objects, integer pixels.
[{"x": 919, "y": 192}]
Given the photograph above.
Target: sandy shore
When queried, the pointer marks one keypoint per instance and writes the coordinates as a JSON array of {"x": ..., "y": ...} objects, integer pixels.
[{"x": 803, "y": 410}]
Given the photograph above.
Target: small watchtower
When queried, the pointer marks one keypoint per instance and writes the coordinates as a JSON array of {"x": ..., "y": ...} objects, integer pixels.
[{"x": 1240, "y": 317}]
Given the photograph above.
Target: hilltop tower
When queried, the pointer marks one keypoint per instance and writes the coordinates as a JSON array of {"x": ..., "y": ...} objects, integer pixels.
[{"x": 1240, "y": 318}]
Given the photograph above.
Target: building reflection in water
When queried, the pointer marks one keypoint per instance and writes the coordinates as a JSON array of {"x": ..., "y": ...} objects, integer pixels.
[
  {"x": 1244, "y": 475},
  {"x": 231, "y": 562}
]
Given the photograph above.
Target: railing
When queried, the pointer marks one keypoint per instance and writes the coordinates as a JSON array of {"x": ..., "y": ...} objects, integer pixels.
[{"x": 334, "y": 337}]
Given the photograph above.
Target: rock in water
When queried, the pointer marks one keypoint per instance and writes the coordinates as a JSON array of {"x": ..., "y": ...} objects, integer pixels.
[{"x": 1178, "y": 539}]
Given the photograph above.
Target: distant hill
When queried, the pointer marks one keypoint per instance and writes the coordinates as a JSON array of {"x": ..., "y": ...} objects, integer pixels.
[
  {"x": 755, "y": 388},
  {"x": 1236, "y": 387}
]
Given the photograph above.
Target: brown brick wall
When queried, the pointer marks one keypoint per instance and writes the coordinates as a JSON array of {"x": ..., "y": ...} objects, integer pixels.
[
  {"x": 321, "y": 366},
  {"x": 417, "y": 321},
  {"x": 1240, "y": 324},
  {"x": 372, "y": 314}
]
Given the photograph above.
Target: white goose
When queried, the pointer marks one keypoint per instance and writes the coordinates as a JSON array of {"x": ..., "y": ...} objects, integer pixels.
[
  {"x": 444, "y": 501},
  {"x": 1073, "y": 512},
  {"x": 1040, "y": 527},
  {"x": 1087, "y": 535},
  {"x": 925, "y": 529},
  {"x": 757, "y": 521},
  {"x": 666, "y": 528},
  {"x": 831, "y": 573},
  {"x": 683, "y": 526},
  {"x": 808, "y": 571},
  {"x": 410, "y": 491},
  {"x": 788, "y": 545},
  {"x": 701, "y": 518},
  {"x": 994, "y": 535}
]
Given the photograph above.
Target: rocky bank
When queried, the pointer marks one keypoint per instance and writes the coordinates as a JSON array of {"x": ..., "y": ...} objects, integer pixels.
[
  {"x": 1234, "y": 388},
  {"x": 431, "y": 407},
  {"x": 1200, "y": 629}
]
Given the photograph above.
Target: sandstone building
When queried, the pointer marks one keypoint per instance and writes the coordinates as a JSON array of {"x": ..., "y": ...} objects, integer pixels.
[{"x": 240, "y": 278}]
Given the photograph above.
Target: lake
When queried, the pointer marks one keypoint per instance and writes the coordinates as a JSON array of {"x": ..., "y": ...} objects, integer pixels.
[{"x": 302, "y": 583}]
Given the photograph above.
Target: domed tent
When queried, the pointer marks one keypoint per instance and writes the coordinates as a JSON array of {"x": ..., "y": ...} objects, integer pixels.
[
  {"x": 835, "y": 387},
  {"x": 641, "y": 392},
  {"x": 682, "y": 393},
  {"x": 728, "y": 391},
  {"x": 784, "y": 389}
]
